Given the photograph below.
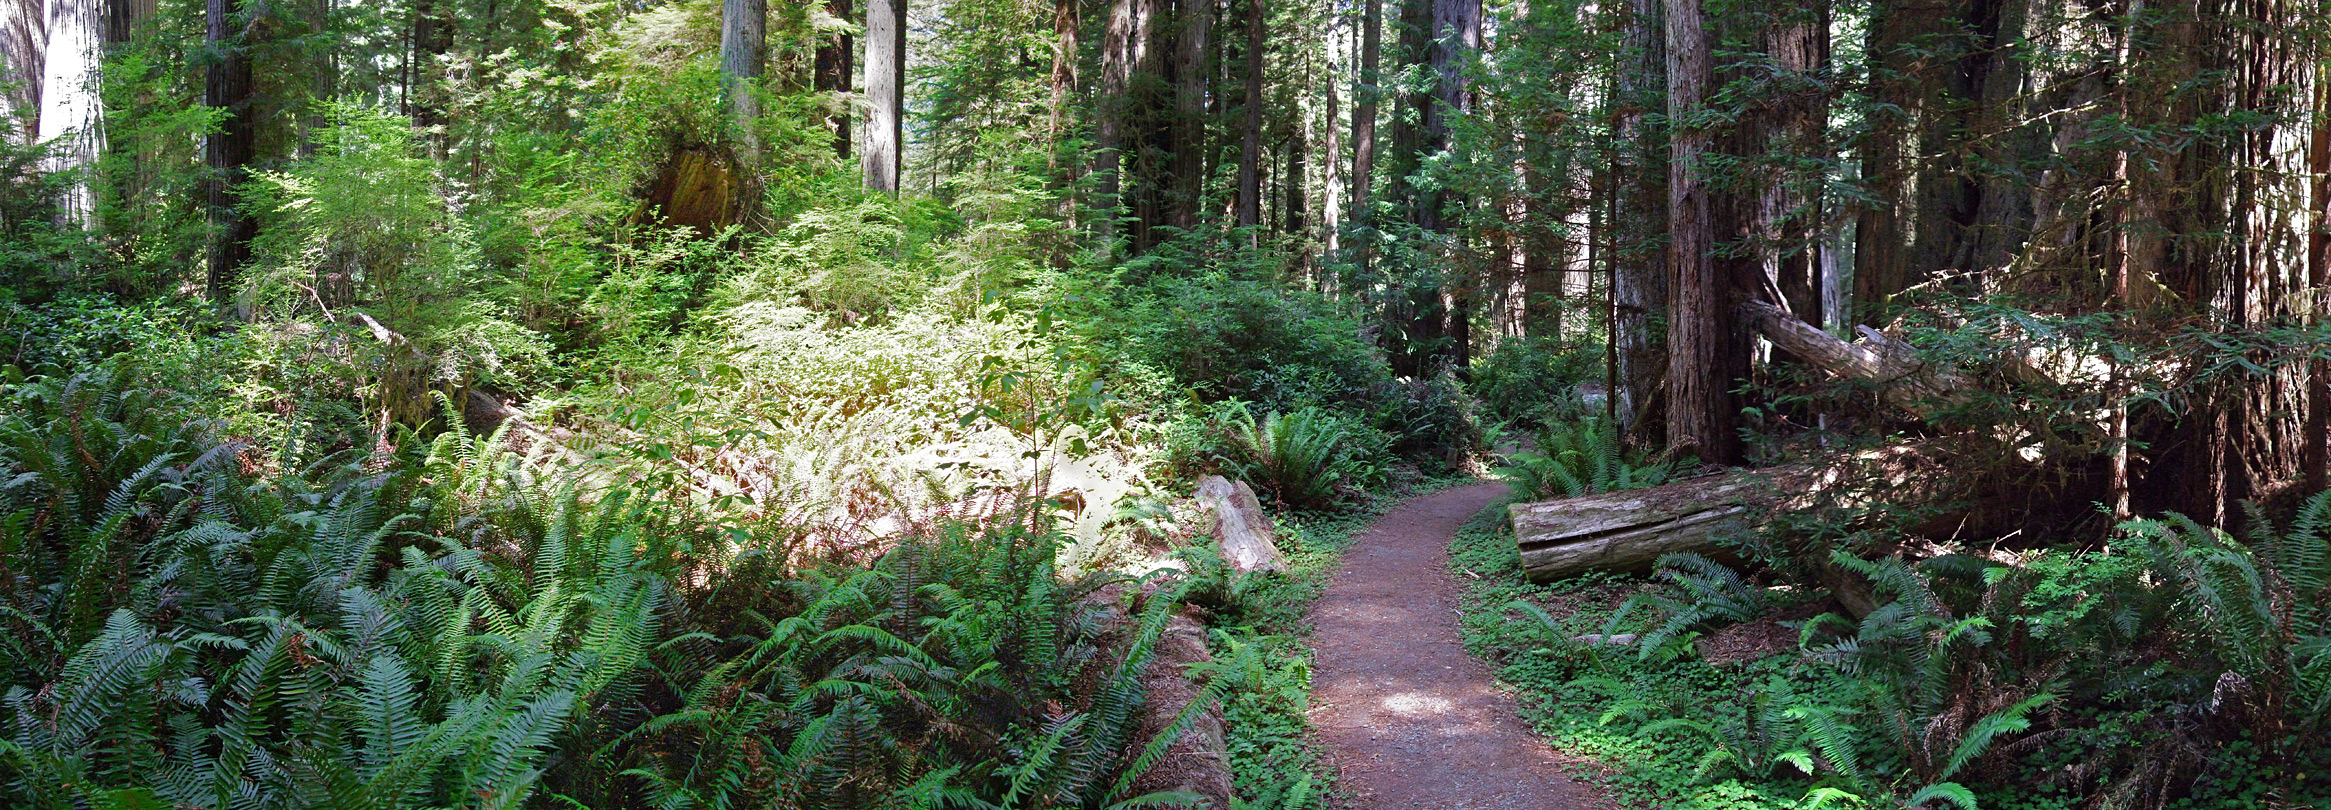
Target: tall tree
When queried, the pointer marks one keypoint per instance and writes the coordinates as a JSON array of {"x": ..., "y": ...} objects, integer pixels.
[
  {"x": 1365, "y": 91},
  {"x": 744, "y": 56},
  {"x": 1788, "y": 220},
  {"x": 70, "y": 114},
  {"x": 1456, "y": 38},
  {"x": 432, "y": 40},
  {"x": 24, "y": 36},
  {"x": 1250, "y": 155},
  {"x": 1188, "y": 127},
  {"x": 1699, "y": 403},
  {"x": 1638, "y": 284},
  {"x": 885, "y": 93},
  {"x": 2316, "y": 456},
  {"x": 834, "y": 69},
  {"x": 1897, "y": 39},
  {"x": 229, "y": 28}
]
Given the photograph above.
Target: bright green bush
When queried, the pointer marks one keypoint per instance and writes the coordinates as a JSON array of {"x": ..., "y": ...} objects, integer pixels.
[
  {"x": 459, "y": 626},
  {"x": 1526, "y": 381},
  {"x": 1432, "y": 422},
  {"x": 1310, "y": 458},
  {"x": 1579, "y": 458},
  {"x": 1225, "y": 338}
]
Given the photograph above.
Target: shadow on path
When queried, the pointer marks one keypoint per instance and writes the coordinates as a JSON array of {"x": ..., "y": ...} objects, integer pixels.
[{"x": 1408, "y": 718}]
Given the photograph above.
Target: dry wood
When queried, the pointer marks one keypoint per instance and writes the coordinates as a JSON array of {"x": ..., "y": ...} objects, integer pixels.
[
  {"x": 1903, "y": 379},
  {"x": 1630, "y": 530}
]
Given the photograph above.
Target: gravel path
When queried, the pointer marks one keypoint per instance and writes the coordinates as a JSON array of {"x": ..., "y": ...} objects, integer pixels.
[{"x": 1408, "y": 718}]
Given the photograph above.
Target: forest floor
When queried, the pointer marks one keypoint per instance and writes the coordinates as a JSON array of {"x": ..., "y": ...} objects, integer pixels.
[{"x": 1407, "y": 718}]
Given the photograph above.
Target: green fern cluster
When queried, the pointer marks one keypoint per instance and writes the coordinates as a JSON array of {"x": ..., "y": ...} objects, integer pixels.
[
  {"x": 1308, "y": 458},
  {"x": 955, "y": 671},
  {"x": 2263, "y": 612},
  {"x": 455, "y": 625},
  {"x": 1580, "y": 458}
]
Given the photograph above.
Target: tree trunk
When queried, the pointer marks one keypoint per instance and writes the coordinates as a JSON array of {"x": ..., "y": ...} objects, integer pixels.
[
  {"x": 1331, "y": 206},
  {"x": 744, "y": 55},
  {"x": 1700, "y": 413},
  {"x": 1630, "y": 530},
  {"x": 1901, "y": 377},
  {"x": 835, "y": 67},
  {"x": 1789, "y": 221},
  {"x": 1189, "y": 124},
  {"x": 1117, "y": 46},
  {"x": 228, "y": 152},
  {"x": 1294, "y": 211},
  {"x": 1881, "y": 239},
  {"x": 24, "y": 36},
  {"x": 885, "y": 93},
  {"x": 1365, "y": 92},
  {"x": 2316, "y": 455},
  {"x": 70, "y": 114},
  {"x": 1250, "y": 155},
  {"x": 1639, "y": 279},
  {"x": 433, "y": 30}
]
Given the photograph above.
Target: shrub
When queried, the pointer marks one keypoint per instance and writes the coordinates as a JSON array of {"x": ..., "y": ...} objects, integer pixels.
[
  {"x": 1432, "y": 422},
  {"x": 1579, "y": 458},
  {"x": 1226, "y": 338},
  {"x": 1528, "y": 381},
  {"x": 1311, "y": 457}
]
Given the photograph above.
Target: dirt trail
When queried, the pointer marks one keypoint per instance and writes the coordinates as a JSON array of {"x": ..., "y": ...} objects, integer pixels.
[{"x": 1408, "y": 718}]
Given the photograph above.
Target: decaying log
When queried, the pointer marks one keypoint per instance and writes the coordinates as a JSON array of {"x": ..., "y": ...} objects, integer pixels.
[
  {"x": 1630, "y": 530},
  {"x": 483, "y": 414},
  {"x": 1903, "y": 379},
  {"x": 1240, "y": 525}
]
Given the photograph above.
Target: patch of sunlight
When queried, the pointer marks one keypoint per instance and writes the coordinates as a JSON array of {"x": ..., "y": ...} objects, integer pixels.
[{"x": 1414, "y": 703}]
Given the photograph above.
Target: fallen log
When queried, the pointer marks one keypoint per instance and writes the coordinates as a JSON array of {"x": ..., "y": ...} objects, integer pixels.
[
  {"x": 1238, "y": 522},
  {"x": 1630, "y": 530},
  {"x": 1903, "y": 379}
]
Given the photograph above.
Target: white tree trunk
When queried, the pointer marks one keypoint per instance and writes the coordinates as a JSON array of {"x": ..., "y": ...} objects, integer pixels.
[
  {"x": 885, "y": 92},
  {"x": 24, "y": 37},
  {"x": 744, "y": 53},
  {"x": 69, "y": 111}
]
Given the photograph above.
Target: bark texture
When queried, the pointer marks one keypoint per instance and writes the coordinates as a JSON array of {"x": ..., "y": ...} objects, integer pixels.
[{"x": 885, "y": 93}]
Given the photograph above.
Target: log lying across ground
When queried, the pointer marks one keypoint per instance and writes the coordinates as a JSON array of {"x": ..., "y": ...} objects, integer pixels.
[{"x": 1630, "y": 530}]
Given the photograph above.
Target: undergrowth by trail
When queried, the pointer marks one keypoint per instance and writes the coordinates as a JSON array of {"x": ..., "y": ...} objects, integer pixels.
[
  {"x": 1275, "y": 764},
  {"x": 1819, "y": 724}
]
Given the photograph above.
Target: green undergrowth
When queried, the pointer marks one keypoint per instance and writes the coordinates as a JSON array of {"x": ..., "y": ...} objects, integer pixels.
[
  {"x": 1274, "y": 762},
  {"x": 1567, "y": 689},
  {"x": 2070, "y": 679}
]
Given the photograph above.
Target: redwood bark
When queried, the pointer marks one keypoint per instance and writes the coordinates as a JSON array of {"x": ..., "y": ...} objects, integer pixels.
[
  {"x": 1250, "y": 155},
  {"x": 1700, "y": 413},
  {"x": 24, "y": 36},
  {"x": 1189, "y": 123},
  {"x": 227, "y": 88},
  {"x": 70, "y": 115},
  {"x": 1638, "y": 286},
  {"x": 835, "y": 65}
]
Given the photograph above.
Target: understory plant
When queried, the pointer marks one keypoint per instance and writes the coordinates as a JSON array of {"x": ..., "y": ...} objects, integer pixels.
[
  {"x": 1581, "y": 457},
  {"x": 1307, "y": 458},
  {"x": 454, "y": 624}
]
